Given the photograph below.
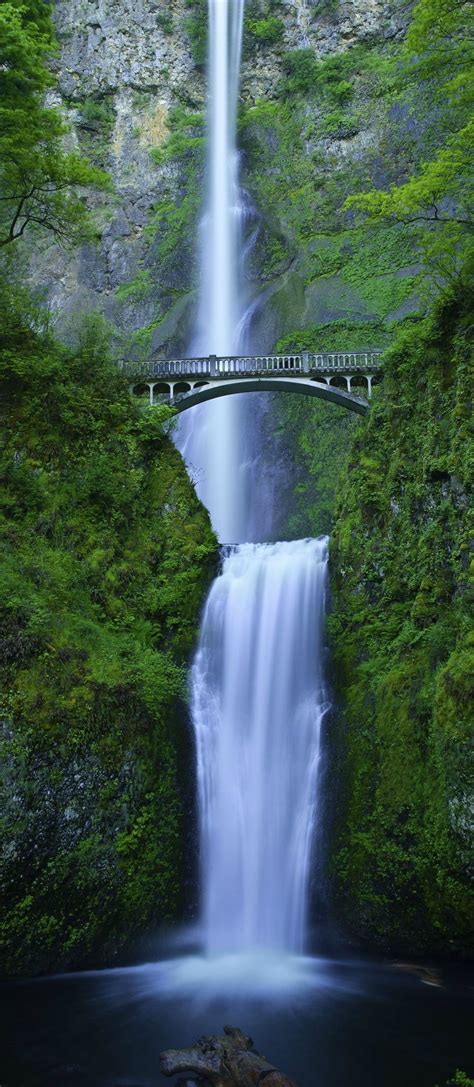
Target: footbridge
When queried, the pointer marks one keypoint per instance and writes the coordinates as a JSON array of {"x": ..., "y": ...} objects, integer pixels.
[{"x": 345, "y": 378}]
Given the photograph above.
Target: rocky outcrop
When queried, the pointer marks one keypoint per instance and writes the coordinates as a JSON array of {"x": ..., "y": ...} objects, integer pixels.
[
  {"x": 326, "y": 28},
  {"x": 229, "y": 1060},
  {"x": 120, "y": 73},
  {"x": 127, "y": 80}
]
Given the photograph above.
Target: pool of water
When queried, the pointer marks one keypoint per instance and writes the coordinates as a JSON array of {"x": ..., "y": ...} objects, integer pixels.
[{"x": 326, "y": 1021}]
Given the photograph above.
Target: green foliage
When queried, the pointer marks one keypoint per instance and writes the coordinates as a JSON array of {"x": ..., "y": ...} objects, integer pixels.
[
  {"x": 186, "y": 139},
  {"x": 106, "y": 555},
  {"x": 137, "y": 289},
  {"x": 40, "y": 181},
  {"x": 400, "y": 627},
  {"x": 97, "y": 114},
  {"x": 319, "y": 435},
  {"x": 460, "y": 1080},
  {"x": 319, "y": 453},
  {"x": 301, "y": 184},
  {"x": 301, "y": 68},
  {"x": 335, "y": 336},
  {"x": 264, "y": 31},
  {"x": 336, "y": 123},
  {"x": 196, "y": 29},
  {"x": 173, "y": 223},
  {"x": 165, "y": 22},
  {"x": 305, "y": 75},
  {"x": 437, "y": 192},
  {"x": 419, "y": 198}
]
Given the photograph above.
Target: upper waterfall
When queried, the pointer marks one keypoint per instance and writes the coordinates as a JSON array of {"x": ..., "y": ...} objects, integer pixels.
[
  {"x": 212, "y": 439},
  {"x": 219, "y": 311}
]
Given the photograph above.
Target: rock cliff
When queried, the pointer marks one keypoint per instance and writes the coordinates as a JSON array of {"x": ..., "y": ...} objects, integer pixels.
[{"x": 131, "y": 84}]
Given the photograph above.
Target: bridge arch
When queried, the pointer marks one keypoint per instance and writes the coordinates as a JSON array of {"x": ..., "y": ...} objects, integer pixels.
[
  {"x": 141, "y": 388},
  {"x": 158, "y": 390},
  {"x": 202, "y": 393}
]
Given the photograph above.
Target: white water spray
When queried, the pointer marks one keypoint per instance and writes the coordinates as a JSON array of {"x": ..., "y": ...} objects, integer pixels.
[{"x": 258, "y": 703}]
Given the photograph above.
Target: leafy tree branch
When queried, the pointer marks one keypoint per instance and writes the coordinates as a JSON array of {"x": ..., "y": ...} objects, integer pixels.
[{"x": 42, "y": 184}]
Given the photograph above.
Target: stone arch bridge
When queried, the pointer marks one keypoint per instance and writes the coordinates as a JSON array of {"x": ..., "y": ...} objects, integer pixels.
[{"x": 345, "y": 378}]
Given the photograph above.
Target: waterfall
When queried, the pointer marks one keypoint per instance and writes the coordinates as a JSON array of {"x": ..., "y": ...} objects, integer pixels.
[
  {"x": 258, "y": 701},
  {"x": 210, "y": 438},
  {"x": 257, "y": 689}
]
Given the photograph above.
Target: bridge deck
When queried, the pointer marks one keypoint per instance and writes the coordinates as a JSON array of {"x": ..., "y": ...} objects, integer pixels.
[{"x": 234, "y": 366}]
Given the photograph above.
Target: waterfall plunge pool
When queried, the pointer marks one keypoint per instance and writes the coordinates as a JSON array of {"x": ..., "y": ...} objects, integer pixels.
[{"x": 327, "y": 1022}]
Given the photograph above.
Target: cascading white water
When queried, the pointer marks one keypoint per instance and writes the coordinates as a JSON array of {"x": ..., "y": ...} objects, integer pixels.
[
  {"x": 258, "y": 701},
  {"x": 210, "y": 437},
  {"x": 257, "y": 688}
]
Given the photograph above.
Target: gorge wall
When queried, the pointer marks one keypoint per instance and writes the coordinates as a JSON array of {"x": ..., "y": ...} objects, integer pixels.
[
  {"x": 318, "y": 119},
  {"x": 109, "y": 552},
  {"x": 106, "y": 558},
  {"x": 401, "y": 638},
  {"x": 313, "y": 120}
]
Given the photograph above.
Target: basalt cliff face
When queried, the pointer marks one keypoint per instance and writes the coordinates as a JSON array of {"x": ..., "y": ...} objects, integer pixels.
[
  {"x": 132, "y": 86},
  {"x": 316, "y": 119}
]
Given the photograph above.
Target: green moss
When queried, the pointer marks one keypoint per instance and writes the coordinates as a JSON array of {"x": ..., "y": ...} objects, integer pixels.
[
  {"x": 106, "y": 555},
  {"x": 95, "y": 121},
  {"x": 165, "y": 22},
  {"x": 137, "y": 289},
  {"x": 404, "y": 665},
  {"x": 196, "y": 28}
]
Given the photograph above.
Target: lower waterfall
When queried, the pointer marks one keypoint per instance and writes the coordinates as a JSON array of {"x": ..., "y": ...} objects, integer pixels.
[{"x": 258, "y": 701}]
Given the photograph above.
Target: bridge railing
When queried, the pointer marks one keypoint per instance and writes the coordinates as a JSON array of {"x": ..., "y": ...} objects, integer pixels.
[{"x": 218, "y": 366}]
